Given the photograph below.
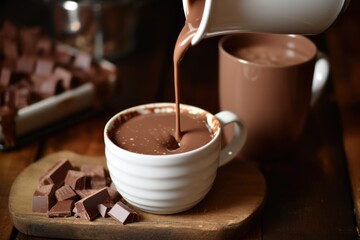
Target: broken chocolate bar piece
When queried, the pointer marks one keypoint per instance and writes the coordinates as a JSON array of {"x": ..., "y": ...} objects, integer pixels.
[
  {"x": 44, "y": 46},
  {"x": 4, "y": 78},
  {"x": 44, "y": 67},
  {"x": 46, "y": 86},
  {"x": 65, "y": 193},
  {"x": 56, "y": 175},
  {"x": 83, "y": 61},
  {"x": 88, "y": 207},
  {"x": 104, "y": 208},
  {"x": 62, "y": 209},
  {"x": 43, "y": 198},
  {"x": 83, "y": 193},
  {"x": 75, "y": 179},
  {"x": 114, "y": 195},
  {"x": 123, "y": 213},
  {"x": 65, "y": 76},
  {"x": 25, "y": 64}
]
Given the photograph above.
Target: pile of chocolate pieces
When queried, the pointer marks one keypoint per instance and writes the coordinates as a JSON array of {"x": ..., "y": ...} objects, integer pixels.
[
  {"x": 34, "y": 67},
  {"x": 87, "y": 193}
]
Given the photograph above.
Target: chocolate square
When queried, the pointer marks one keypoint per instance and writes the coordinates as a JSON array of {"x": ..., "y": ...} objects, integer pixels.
[
  {"x": 75, "y": 179},
  {"x": 64, "y": 193},
  {"x": 123, "y": 213},
  {"x": 44, "y": 67},
  {"x": 62, "y": 209},
  {"x": 25, "y": 64},
  {"x": 88, "y": 207},
  {"x": 57, "y": 173},
  {"x": 43, "y": 198}
]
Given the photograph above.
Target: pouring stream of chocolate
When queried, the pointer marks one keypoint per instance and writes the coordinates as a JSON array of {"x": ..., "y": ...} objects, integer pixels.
[{"x": 183, "y": 43}]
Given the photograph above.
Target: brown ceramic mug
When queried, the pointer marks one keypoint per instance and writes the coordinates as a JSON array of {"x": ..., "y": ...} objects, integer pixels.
[{"x": 270, "y": 81}]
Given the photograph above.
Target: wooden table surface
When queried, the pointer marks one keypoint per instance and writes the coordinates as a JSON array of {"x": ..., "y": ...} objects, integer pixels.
[{"x": 312, "y": 194}]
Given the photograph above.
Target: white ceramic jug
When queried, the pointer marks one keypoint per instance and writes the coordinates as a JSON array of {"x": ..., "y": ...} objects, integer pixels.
[{"x": 276, "y": 16}]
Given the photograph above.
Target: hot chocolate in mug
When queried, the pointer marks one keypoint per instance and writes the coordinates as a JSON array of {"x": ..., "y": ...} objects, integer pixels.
[
  {"x": 168, "y": 183},
  {"x": 270, "y": 81},
  {"x": 220, "y": 17}
]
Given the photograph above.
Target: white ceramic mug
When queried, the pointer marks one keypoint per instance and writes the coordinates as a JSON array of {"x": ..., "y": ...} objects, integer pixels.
[
  {"x": 167, "y": 184},
  {"x": 274, "y": 16}
]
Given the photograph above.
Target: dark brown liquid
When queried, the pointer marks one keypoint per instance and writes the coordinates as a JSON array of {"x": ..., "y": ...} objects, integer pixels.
[
  {"x": 271, "y": 55},
  {"x": 151, "y": 133},
  {"x": 162, "y": 133},
  {"x": 193, "y": 18}
]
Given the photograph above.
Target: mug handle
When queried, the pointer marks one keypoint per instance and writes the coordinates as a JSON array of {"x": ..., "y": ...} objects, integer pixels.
[
  {"x": 237, "y": 142},
  {"x": 321, "y": 74}
]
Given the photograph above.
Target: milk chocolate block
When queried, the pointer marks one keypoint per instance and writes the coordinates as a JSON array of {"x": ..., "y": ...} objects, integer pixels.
[
  {"x": 65, "y": 76},
  {"x": 65, "y": 193},
  {"x": 93, "y": 170},
  {"x": 46, "y": 86},
  {"x": 104, "y": 209},
  {"x": 25, "y": 64},
  {"x": 75, "y": 179},
  {"x": 57, "y": 173},
  {"x": 97, "y": 182},
  {"x": 62, "y": 209},
  {"x": 123, "y": 213},
  {"x": 88, "y": 207},
  {"x": 114, "y": 195},
  {"x": 44, "y": 67},
  {"x": 83, "y": 61},
  {"x": 43, "y": 198},
  {"x": 44, "y": 46},
  {"x": 83, "y": 193},
  {"x": 5, "y": 75}
]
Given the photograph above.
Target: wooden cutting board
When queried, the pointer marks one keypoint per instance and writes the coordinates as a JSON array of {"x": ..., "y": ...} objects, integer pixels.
[{"x": 227, "y": 211}]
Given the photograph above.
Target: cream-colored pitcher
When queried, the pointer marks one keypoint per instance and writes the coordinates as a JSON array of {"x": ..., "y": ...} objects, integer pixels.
[{"x": 221, "y": 17}]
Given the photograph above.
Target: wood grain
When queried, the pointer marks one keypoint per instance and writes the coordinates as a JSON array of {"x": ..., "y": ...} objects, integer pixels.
[{"x": 226, "y": 212}]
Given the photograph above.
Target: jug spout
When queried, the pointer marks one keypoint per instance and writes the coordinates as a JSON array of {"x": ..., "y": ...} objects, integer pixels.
[{"x": 221, "y": 17}]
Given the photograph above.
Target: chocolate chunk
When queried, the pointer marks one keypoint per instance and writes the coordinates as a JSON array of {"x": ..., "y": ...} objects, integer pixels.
[
  {"x": 104, "y": 209},
  {"x": 62, "y": 55},
  {"x": 10, "y": 49},
  {"x": 64, "y": 193},
  {"x": 97, "y": 182},
  {"x": 46, "y": 86},
  {"x": 43, "y": 198},
  {"x": 123, "y": 213},
  {"x": 75, "y": 179},
  {"x": 62, "y": 209},
  {"x": 25, "y": 64},
  {"x": 65, "y": 77},
  {"x": 93, "y": 170},
  {"x": 88, "y": 207},
  {"x": 4, "y": 78},
  {"x": 57, "y": 173},
  {"x": 44, "y": 67},
  {"x": 83, "y": 193},
  {"x": 28, "y": 39},
  {"x": 44, "y": 46},
  {"x": 83, "y": 61},
  {"x": 114, "y": 195}
]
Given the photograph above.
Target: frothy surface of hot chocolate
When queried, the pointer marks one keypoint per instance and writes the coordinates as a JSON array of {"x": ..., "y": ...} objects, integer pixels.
[
  {"x": 153, "y": 133},
  {"x": 271, "y": 55}
]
